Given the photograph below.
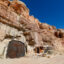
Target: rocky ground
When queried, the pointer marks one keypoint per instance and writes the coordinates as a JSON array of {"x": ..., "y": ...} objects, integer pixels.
[{"x": 58, "y": 59}]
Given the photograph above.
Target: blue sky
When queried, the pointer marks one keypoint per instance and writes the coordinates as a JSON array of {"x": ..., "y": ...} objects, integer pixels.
[{"x": 47, "y": 11}]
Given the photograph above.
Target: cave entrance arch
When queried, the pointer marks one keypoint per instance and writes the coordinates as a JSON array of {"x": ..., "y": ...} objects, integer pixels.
[{"x": 16, "y": 49}]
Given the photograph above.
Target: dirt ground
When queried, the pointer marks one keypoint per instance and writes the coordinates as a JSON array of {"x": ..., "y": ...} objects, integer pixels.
[{"x": 58, "y": 59}]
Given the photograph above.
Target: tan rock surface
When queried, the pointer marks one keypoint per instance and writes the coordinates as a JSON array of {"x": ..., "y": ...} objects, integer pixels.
[{"x": 16, "y": 23}]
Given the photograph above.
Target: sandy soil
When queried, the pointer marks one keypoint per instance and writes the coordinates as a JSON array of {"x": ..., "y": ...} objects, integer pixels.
[{"x": 58, "y": 59}]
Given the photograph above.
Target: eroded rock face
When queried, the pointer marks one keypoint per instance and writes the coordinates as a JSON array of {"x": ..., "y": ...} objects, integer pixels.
[
  {"x": 17, "y": 24},
  {"x": 59, "y": 33}
]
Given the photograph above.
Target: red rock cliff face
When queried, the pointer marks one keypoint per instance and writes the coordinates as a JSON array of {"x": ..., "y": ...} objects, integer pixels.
[{"x": 16, "y": 15}]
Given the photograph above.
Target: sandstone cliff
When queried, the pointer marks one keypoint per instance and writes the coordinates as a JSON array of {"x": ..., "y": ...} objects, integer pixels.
[{"x": 16, "y": 23}]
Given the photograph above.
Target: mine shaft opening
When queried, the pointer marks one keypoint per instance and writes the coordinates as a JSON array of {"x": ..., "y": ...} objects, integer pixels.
[
  {"x": 38, "y": 49},
  {"x": 16, "y": 49}
]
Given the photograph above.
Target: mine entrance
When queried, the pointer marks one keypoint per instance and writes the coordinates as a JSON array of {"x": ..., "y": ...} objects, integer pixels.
[
  {"x": 38, "y": 49},
  {"x": 16, "y": 49}
]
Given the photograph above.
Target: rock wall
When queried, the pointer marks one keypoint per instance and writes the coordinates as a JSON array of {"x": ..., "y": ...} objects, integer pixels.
[{"x": 16, "y": 23}]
